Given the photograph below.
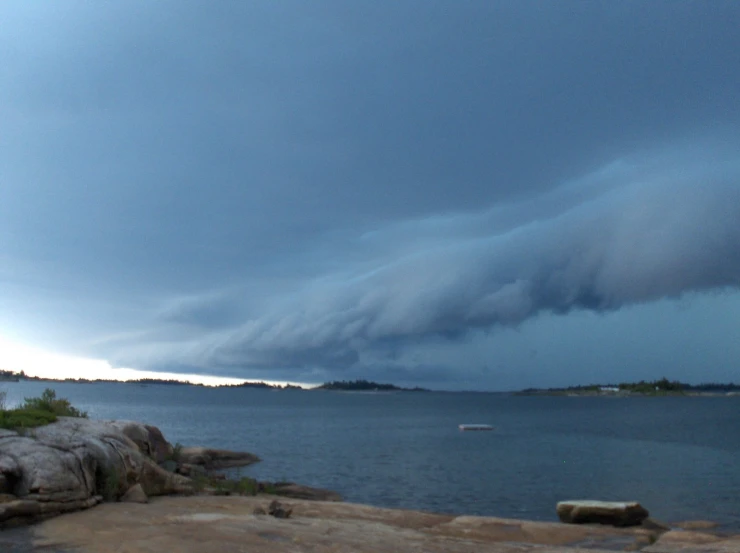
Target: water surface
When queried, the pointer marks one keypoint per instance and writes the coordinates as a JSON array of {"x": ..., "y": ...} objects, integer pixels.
[{"x": 678, "y": 456}]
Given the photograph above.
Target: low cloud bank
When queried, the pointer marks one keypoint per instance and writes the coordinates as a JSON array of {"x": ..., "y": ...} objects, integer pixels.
[{"x": 637, "y": 231}]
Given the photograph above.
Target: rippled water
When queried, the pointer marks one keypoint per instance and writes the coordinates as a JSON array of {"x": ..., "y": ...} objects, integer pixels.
[{"x": 680, "y": 457}]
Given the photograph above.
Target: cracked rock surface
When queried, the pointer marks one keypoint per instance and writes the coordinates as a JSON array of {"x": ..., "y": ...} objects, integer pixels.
[{"x": 75, "y": 463}]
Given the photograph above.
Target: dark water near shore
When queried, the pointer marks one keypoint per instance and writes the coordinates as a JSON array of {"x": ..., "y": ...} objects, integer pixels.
[{"x": 678, "y": 456}]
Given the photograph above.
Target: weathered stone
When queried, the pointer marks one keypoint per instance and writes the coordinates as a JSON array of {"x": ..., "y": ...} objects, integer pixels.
[
  {"x": 69, "y": 464},
  {"x": 30, "y": 511},
  {"x": 277, "y": 510},
  {"x": 259, "y": 511},
  {"x": 148, "y": 439},
  {"x": 215, "y": 459},
  {"x": 135, "y": 494},
  {"x": 191, "y": 471},
  {"x": 157, "y": 481},
  {"x": 615, "y": 513},
  {"x": 159, "y": 447}
]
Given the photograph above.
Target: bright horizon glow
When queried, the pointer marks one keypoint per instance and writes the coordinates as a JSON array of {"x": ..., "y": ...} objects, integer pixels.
[{"x": 42, "y": 364}]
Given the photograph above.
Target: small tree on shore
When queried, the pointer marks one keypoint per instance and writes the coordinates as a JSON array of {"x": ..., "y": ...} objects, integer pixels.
[{"x": 48, "y": 402}]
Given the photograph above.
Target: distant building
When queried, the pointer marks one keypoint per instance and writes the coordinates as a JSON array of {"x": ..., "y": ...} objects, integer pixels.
[{"x": 608, "y": 389}]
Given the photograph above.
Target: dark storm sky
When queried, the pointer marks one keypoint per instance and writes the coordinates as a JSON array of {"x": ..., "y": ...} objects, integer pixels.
[{"x": 456, "y": 194}]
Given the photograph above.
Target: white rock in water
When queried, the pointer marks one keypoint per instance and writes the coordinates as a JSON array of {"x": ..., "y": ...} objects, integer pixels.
[{"x": 615, "y": 513}]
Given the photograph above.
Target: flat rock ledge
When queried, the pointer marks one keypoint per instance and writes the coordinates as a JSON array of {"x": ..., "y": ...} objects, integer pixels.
[
  {"x": 75, "y": 463},
  {"x": 614, "y": 513},
  {"x": 203, "y": 524}
]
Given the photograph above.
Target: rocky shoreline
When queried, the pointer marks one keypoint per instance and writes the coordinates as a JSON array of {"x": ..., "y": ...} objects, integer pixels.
[
  {"x": 122, "y": 468},
  {"x": 203, "y": 524}
]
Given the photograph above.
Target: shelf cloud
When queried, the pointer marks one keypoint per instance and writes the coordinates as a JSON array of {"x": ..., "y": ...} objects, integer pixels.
[{"x": 480, "y": 194}]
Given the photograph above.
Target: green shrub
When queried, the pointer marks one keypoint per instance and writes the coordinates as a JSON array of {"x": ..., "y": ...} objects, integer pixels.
[
  {"x": 25, "y": 418},
  {"x": 176, "y": 454},
  {"x": 247, "y": 486},
  {"x": 49, "y": 402},
  {"x": 268, "y": 488}
]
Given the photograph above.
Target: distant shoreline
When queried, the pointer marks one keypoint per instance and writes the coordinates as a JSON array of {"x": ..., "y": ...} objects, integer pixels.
[
  {"x": 625, "y": 394},
  {"x": 346, "y": 386},
  {"x": 658, "y": 388},
  {"x": 655, "y": 388}
]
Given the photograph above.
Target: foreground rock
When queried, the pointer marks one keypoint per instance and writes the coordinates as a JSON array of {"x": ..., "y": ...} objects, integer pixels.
[
  {"x": 202, "y": 524},
  {"x": 614, "y": 513},
  {"x": 135, "y": 494},
  {"x": 76, "y": 463}
]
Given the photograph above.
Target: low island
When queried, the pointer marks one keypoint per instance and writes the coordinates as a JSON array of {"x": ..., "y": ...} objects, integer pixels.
[
  {"x": 364, "y": 386},
  {"x": 662, "y": 387}
]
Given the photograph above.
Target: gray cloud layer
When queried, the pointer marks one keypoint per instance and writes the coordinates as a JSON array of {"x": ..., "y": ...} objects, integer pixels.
[
  {"x": 637, "y": 231},
  {"x": 261, "y": 189}
]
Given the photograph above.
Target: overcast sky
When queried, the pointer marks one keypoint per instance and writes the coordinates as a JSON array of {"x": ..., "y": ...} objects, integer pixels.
[{"x": 454, "y": 194}]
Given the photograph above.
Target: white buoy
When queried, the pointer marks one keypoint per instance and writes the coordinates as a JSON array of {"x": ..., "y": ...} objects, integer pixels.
[{"x": 465, "y": 427}]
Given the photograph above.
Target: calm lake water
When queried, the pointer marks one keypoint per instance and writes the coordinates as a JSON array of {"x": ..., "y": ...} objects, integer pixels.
[{"x": 680, "y": 457}]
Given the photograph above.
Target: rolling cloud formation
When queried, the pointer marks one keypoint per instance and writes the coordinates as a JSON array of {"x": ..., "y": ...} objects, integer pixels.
[{"x": 636, "y": 231}]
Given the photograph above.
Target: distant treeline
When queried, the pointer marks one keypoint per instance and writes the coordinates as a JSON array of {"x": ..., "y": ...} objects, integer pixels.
[
  {"x": 9, "y": 376},
  {"x": 365, "y": 385},
  {"x": 646, "y": 387},
  {"x": 162, "y": 382},
  {"x": 713, "y": 387},
  {"x": 261, "y": 385}
]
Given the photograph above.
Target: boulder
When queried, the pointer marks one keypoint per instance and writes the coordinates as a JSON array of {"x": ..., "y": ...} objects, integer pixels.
[
  {"x": 191, "y": 471},
  {"x": 278, "y": 510},
  {"x": 215, "y": 459},
  {"x": 148, "y": 439},
  {"x": 68, "y": 465},
  {"x": 614, "y": 513},
  {"x": 135, "y": 494}
]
